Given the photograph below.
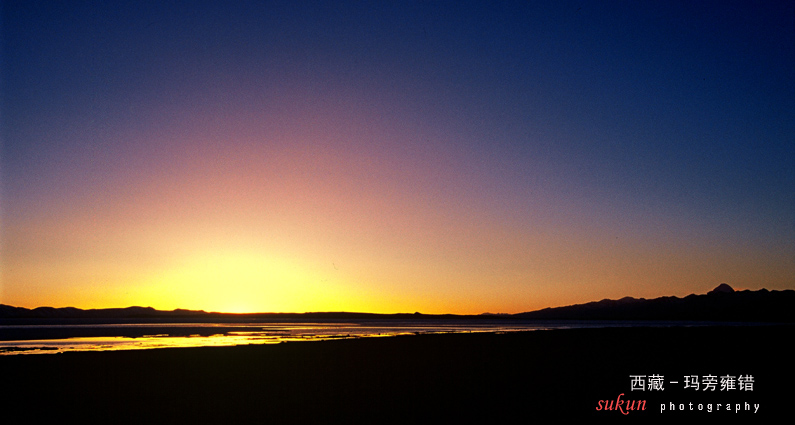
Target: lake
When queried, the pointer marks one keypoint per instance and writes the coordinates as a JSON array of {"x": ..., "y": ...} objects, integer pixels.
[{"x": 50, "y": 337}]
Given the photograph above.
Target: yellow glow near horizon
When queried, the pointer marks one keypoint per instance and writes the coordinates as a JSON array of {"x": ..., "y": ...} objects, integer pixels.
[{"x": 237, "y": 282}]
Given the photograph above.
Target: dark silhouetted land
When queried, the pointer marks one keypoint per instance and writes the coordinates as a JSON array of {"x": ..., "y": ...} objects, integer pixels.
[
  {"x": 522, "y": 377},
  {"x": 720, "y": 304}
]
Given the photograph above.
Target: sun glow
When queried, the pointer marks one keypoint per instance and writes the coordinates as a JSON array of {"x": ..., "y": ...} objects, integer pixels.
[{"x": 241, "y": 282}]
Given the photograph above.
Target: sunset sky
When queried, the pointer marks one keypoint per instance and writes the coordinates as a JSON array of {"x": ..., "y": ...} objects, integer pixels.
[{"x": 441, "y": 157}]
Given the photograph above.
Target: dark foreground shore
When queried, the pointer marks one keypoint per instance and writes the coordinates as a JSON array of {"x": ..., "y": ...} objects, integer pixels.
[{"x": 494, "y": 378}]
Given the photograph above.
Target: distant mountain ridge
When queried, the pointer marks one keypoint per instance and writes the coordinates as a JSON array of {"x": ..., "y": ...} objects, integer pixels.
[
  {"x": 11, "y": 312},
  {"x": 721, "y": 304},
  {"x": 7, "y": 311}
]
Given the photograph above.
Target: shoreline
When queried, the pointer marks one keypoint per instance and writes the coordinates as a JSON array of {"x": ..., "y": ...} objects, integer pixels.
[{"x": 543, "y": 374}]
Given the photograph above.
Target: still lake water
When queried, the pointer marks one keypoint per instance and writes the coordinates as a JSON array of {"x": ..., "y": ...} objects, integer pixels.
[{"x": 64, "y": 337}]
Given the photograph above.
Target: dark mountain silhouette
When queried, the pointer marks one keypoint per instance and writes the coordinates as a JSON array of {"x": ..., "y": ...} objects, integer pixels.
[
  {"x": 723, "y": 288},
  {"x": 7, "y": 311},
  {"x": 181, "y": 315},
  {"x": 721, "y": 304}
]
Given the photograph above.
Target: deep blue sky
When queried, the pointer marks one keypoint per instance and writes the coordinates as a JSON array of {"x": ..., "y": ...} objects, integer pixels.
[{"x": 570, "y": 139}]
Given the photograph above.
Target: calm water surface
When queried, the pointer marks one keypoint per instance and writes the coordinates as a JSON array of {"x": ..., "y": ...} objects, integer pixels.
[{"x": 59, "y": 338}]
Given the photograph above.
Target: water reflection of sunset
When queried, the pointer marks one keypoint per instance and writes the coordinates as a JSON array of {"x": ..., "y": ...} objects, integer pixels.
[{"x": 165, "y": 335}]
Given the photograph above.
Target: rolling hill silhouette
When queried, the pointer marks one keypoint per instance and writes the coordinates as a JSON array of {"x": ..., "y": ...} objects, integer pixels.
[{"x": 721, "y": 304}]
